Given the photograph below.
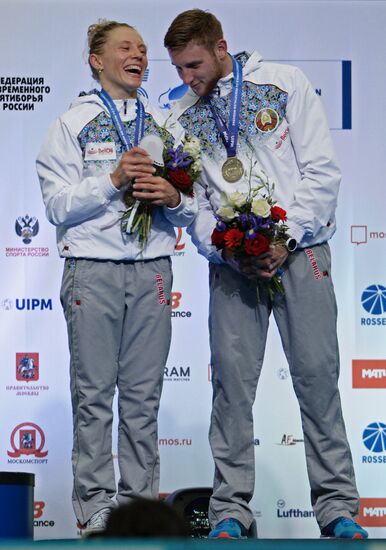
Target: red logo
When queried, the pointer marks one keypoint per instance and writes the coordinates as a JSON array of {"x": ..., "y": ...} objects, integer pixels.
[
  {"x": 369, "y": 373},
  {"x": 160, "y": 289},
  {"x": 39, "y": 506},
  {"x": 179, "y": 246},
  {"x": 27, "y": 367},
  {"x": 372, "y": 512},
  {"x": 27, "y": 439},
  {"x": 315, "y": 268},
  {"x": 176, "y": 299}
]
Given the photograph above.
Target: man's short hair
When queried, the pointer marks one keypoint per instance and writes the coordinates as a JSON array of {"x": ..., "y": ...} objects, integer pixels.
[{"x": 198, "y": 26}]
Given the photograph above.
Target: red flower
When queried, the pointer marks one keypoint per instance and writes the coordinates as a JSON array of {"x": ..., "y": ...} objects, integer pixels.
[
  {"x": 233, "y": 238},
  {"x": 256, "y": 246},
  {"x": 218, "y": 238},
  {"x": 180, "y": 179},
  {"x": 278, "y": 214}
]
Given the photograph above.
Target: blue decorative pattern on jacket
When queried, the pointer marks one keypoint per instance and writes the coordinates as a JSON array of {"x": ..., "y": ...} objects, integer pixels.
[
  {"x": 198, "y": 119},
  {"x": 102, "y": 130}
]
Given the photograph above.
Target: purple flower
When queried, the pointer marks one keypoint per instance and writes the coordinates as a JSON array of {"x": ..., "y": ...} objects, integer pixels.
[
  {"x": 256, "y": 221},
  {"x": 250, "y": 234},
  {"x": 221, "y": 226},
  {"x": 178, "y": 159},
  {"x": 244, "y": 219}
]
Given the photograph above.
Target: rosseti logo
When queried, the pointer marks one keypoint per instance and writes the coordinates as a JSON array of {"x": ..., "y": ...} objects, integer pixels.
[
  {"x": 374, "y": 437},
  {"x": 373, "y": 299},
  {"x": 369, "y": 373}
]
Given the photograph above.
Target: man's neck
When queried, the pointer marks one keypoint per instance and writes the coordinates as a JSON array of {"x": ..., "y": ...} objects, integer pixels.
[{"x": 228, "y": 66}]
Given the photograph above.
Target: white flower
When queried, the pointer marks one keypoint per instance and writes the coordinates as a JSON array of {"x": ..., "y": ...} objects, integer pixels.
[
  {"x": 226, "y": 213},
  {"x": 237, "y": 199},
  {"x": 196, "y": 166},
  {"x": 192, "y": 146},
  {"x": 260, "y": 207}
]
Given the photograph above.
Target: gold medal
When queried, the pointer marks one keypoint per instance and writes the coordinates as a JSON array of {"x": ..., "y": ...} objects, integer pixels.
[{"x": 232, "y": 170}]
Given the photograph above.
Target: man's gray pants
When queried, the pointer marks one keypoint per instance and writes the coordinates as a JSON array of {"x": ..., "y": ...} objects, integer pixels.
[
  {"x": 119, "y": 327},
  {"x": 306, "y": 318}
]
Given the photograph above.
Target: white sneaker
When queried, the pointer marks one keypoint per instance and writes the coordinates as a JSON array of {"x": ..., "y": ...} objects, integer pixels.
[{"x": 98, "y": 521}]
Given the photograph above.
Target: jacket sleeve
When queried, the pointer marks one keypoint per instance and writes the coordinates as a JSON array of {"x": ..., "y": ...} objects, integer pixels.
[
  {"x": 69, "y": 198},
  {"x": 202, "y": 227},
  {"x": 183, "y": 214},
  {"x": 315, "y": 198}
]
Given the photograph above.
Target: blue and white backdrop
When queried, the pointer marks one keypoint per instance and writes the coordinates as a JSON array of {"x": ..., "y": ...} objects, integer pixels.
[{"x": 340, "y": 45}]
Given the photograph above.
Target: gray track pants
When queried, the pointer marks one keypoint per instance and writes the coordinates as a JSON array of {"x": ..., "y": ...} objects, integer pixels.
[
  {"x": 119, "y": 327},
  {"x": 306, "y": 319}
]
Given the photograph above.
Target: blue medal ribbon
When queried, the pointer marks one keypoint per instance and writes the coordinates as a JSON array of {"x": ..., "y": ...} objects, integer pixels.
[
  {"x": 117, "y": 121},
  {"x": 229, "y": 134}
]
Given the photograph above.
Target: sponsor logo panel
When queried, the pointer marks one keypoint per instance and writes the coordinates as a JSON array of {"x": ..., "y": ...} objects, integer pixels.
[
  {"x": 288, "y": 440},
  {"x": 176, "y": 374},
  {"x": 27, "y": 441},
  {"x": 27, "y": 371},
  {"x": 26, "y": 304},
  {"x": 374, "y": 439},
  {"x": 26, "y": 227},
  {"x": 373, "y": 300},
  {"x": 179, "y": 247},
  {"x": 361, "y": 234},
  {"x": 40, "y": 515},
  {"x": 177, "y": 300},
  {"x": 369, "y": 373},
  {"x": 283, "y": 511},
  {"x": 372, "y": 512},
  {"x": 22, "y": 93}
]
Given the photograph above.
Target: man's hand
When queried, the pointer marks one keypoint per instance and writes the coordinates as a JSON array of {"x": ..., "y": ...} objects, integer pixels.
[
  {"x": 132, "y": 164},
  {"x": 263, "y": 267}
]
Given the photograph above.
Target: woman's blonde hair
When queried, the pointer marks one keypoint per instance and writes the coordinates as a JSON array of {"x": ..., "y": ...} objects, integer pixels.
[{"x": 97, "y": 36}]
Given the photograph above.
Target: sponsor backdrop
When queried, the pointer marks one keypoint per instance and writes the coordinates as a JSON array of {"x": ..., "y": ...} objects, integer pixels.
[{"x": 340, "y": 45}]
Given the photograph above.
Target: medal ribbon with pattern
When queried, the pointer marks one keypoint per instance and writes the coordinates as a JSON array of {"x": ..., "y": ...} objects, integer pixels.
[
  {"x": 124, "y": 137},
  {"x": 119, "y": 126},
  {"x": 232, "y": 169}
]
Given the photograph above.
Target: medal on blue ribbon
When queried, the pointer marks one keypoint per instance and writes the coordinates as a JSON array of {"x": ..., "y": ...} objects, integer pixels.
[
  {"x": 232, "y": 170},
  {"x": 117, "y": 121},
  {"x": 123, "y": 135}
]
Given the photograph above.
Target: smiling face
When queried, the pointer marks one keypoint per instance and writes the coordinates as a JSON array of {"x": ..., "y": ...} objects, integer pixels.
[
  {"x": 121, "y": 64},
  {"x": 201, "y": 68}
]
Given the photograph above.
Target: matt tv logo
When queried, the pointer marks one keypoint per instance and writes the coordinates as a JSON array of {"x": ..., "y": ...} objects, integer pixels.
[
  {"x": 374, "y": 439},
  {"x": 373, "y": 300},
  {"x": 372, "y": 512},
  {"x": 369, "y": 373}
]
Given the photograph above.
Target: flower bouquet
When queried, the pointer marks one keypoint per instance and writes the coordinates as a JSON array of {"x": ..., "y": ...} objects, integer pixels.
[
  {"x": 248, "y": 224},
  {"x": 181, "y": 167}
]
